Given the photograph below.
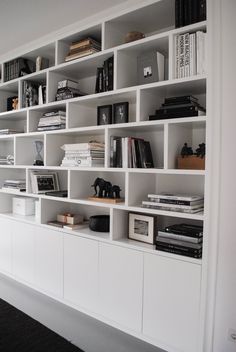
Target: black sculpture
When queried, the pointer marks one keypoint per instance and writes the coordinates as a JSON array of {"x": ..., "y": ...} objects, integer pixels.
[
  {"x": 186, "y": 150},
  {"x": 201, "y": 150},
  {"x": 104, "y": 189}
]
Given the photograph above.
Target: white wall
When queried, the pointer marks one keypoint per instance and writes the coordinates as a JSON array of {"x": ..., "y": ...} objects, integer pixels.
[{"x": 225, "y": 305}]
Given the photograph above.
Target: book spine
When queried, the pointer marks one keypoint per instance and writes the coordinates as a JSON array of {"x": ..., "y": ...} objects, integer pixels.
[
  {"x": 179, "y": 237},
  {"x": 185, "y": 248},
  {"x": 176, "y": 56},
  {"x": 202, "y": 10},
  {"x": 198, "y": 53},
  {"x": 110, "y": 74},
  {"x": 181, "y": 13},
  {"x": 186, "y": 55},
  {"x": 181, "y": 56},
  {"x": 178, "y": 251}
]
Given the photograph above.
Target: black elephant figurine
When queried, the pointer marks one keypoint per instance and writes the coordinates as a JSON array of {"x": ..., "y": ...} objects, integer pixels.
[
  {"x": 186, "y": 150},
  {"x": 97, "y": 184},
  {"x": 104, "y": 189},
  {"x": 116, "y": 191}
]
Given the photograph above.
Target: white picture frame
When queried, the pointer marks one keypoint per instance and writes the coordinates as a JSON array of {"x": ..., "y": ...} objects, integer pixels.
[
  {"x": 142, "y": 227},
  {"x": 44, "y": 182}
]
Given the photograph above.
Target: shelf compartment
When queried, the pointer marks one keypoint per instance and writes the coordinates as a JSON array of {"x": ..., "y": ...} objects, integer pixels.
[
  {"x": 7, "y": 146},
  {"x": 6, "y": 205},
  {"x": 36, "y": 114},
  {"x": 37, "y": 78},
  {"x": 192, "y": 133},
  {"x": 140, "y": 185},
  {"x": 127, "y": 67},
  {"x": 152, "y": 98},
  {"x": 25, "y": 149},
  {"x": 150, "y": 19},
  {"x": 8, "y": 90},
  {"x": 82, "y": 70},
  {"x": 12, "y": 174},
  {"x": 54, "y": 142},
  {"x": 51, "y": 208},
  {"x": 63, "y": 45},
  {"x": 61, "y": 174},
  {"x": 81, "y": 183},
  {"x": 153, "y": 134},
  {"x": 84, "y": 112}
]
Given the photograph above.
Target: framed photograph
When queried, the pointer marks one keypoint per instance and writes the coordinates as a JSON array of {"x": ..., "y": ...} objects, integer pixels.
[
  {"x": 142, "y": 227},
  {"x": 104, "y": 114},
  {"x": 42, "y": 183},
  {"x": 121, "y": 112}
]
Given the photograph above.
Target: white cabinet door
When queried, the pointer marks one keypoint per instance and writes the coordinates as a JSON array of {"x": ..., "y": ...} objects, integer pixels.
[
  {"x": 171, "y": 302},
  {"x": 5, "y": 245},
  {"x": 81, "y": 271},
  {"x": 121, "y": 279},
  {"x": 23, "y": 251},
  {"x": 49, "y": 260}
]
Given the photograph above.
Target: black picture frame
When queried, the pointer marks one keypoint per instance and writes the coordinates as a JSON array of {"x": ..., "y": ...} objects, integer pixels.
[
  {"x": 121, "y": 112},
  {"x": 104, "y": 114}
]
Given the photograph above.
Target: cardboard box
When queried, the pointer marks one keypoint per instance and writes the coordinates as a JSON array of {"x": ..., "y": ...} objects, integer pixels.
[
  {"x": 23, "y": 206},
  {"x": 191, "y": 162},
  {"x": 71, "y": 219}
]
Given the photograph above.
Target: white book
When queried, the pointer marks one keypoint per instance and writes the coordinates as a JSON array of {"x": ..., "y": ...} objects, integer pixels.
[
  {"x": 176, "y": 196},
  {"x": 160, "y": 66},
  {"x": 186, "y": 55},
  {"x": 83, "y": 146},
  {"x": 40, "y": 95},
  {"x": 176, "y": 53},
  {"x": 192, "y": 54},
  {"x": 199, "y": 44},
  {"x": 172, "y": 206},
  {"x": 181, "y": 56}
]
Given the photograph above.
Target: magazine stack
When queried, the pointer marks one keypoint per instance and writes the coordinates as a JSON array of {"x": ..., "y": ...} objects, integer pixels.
[
  {"x": 83, "y": 154},
  {"x": 52, "y": 120}
]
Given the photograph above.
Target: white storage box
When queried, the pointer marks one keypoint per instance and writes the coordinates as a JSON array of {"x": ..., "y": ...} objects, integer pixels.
[{"x": 23, "y": 206}]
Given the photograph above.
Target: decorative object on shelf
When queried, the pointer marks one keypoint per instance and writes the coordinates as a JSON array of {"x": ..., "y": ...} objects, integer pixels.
[
  {"x": 151, "y": 67},
  {"x": 23, "y": 206},
  {"x": 41, "y": 63},
  {"x": 104, "y": 114},
  {"x": 17, "y": 68},
  {"x": 177, "y": 107},
  {"x": 175, "y": 202},
  {"x": 52, "y": 120},
  {"x": 134, "y": 35},
  {"x": 182, "y": 239},
  {"x": 99, "y": 223},
  {"x": 188, "y": 12},
  {"x": 130, "y": 152},
  {"x": 8, "y": 131},
  {"x": 142, "y": 227},
  {"x": 121, "y": 112},
  {"x": 189, "y": 54},
  {"x": 84, "y": 154},
  {"x": 106, "y": 192},
  {"x": 72, "y": 219},
  {"x": 83, "y": 47},
  {"x": 190, "y": 160},
  {"x": 38, "y": 158},
  {"x": 12, "y": 103},
  {"x": 104, "y": 76},
  {"x": 44, "y": 182},
  {"x": 67, "y": 89},
  {"x": 33, "y": 93}
]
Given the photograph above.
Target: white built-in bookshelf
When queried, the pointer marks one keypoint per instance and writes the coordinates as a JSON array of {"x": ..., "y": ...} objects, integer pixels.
[{"x": 153, "y": 295}]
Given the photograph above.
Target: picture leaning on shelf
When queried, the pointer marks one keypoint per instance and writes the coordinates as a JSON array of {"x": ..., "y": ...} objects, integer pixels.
[
  {"x": 33, "y": 93},
  {"x": 116, "y": 113},
  {"x": 177, "y": 107}
]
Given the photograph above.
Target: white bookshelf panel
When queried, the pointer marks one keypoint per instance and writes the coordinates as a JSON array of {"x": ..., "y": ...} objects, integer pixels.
[
  {"x": 63, "y": 45},
  {"x": 54, "y": 142},
  {"x": 84, "y": 112},
  {"x": 26, "y": 151},
  {"x": 36, "y": 114},
  {"x": 140, "y": 185},
  {"x": 81, "y": 183},
  {"x": 151, "y": 19},
  {"x": 192, "y": 133}
]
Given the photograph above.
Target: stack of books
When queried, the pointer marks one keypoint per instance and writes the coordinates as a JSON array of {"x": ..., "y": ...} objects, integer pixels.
[
  {"x": 104, "y": 78},
  {"x": 190, "y": 54},
  {"x": 175, "y": 202},
  {"x": 83, "y": 154},
  {"x": 53, "y": 120},
  {"x": 182, "y": 239},
  {"x": 7, "y": 160},
  {"x": 9, "y": 131},
  {"x": 68, "y": 89},
  {"x": 189, "y": 11},
  {"x": 174, "y": 107},
  {"x": 130, "y": 152},
  {"x": 84, "y": 47},
  {"x": 15, "y": 185}
]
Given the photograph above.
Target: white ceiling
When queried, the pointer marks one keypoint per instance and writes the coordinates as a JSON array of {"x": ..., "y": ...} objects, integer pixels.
[{"x": 22, "y": 21}]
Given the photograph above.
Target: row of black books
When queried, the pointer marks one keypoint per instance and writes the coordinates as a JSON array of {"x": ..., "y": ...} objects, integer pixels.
[
  {"x": 183, "y": 106},
  {"x": 52, "y": 120},
  {"x": 189, "y": 11},
  {"x": 175, "y": 202},
  {"x": 33, "y": 93},
  {"x": 67, "y": 89},
  {"x": 17, "y": 68},
  {"x": 104, "y": 77},
  {"x": 130, "y": 152},
  {"x": 83, "y": 47},
  {"x": 182, "y": 239},
  {"x": 190, "y": 54}
]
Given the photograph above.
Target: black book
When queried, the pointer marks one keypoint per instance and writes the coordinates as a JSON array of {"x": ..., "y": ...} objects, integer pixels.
[
  {"x": 181, "y": 13},
  {"x": 99, "y": 80},
  {"x": 178, "y": 251},
  {"x": 118, "y": 159},
  {"x": 145, "y": 151},
  {"x": 186, "y": 230},
  {"x": 202, "y": 10},
  {"x": 108, "y": 73},
  {"x": 181, "y": 99},
  {"x": 194, "y": 14},
  {"x": 187, "y": 12},
  {"x": 177, "y": 25},
  {"x": 186, "y": 249},
  {"x": 137, "y": 143},
  {"x": 181, "y": 109},
  {"x": 184, "y": 105}
]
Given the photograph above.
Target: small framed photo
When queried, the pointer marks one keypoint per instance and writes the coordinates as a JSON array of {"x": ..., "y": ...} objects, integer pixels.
[
  {"x": 104, "y": 114},
  {"x": 42, "y": 183},
  {"x": 121, "y": 112},
  {"x": 142, "y": 227}
]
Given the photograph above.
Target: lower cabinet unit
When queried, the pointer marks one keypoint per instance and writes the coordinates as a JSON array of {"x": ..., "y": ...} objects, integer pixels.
[
  {"x": 23, "y": 251},
  {"x": 81, "y": 272},
  {"x": 49, "y": 260},
  {"x": 121, "y": 282},
  {"x": 5, "y": 246},
  {"x": 171, "y": 302}
]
